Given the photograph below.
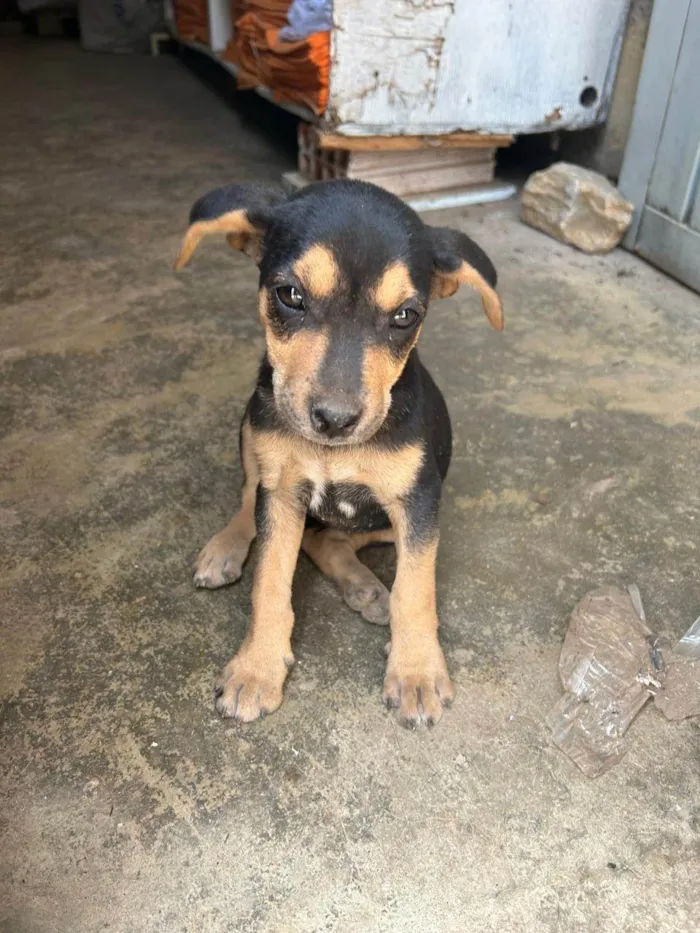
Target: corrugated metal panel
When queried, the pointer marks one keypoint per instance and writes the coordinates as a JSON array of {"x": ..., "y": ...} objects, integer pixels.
[
  {"x": 674, "y": 181},
  {"x": 661, "y": 170}
]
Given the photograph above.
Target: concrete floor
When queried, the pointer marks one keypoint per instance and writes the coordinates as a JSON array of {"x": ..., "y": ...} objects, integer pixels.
[{"x": 126, "y": 804}]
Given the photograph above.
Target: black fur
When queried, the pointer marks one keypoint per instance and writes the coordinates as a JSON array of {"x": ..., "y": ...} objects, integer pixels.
[
  {"x": 367, "y": 229},
  {"x": 258, "y": 201},
  {"x": 418, "y": 413}
]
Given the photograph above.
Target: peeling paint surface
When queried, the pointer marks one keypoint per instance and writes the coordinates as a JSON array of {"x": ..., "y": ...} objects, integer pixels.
[{"x": 507, "y": 66}]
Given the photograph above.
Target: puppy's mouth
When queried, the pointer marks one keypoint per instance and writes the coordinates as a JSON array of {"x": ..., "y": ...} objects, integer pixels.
[{"x": 330, "y": 426}]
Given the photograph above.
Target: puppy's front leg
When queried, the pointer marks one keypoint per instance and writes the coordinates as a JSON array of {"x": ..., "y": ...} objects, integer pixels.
[
  {"x": 251, "y": 683},
  {"x": 417, "y": 682}
]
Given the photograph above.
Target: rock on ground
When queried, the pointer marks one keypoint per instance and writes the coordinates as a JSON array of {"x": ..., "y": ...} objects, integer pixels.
[{"x": 577, "y": 206}]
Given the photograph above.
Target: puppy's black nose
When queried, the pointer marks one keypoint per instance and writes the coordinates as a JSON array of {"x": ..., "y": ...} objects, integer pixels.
[{"x": 334, "y": 420}]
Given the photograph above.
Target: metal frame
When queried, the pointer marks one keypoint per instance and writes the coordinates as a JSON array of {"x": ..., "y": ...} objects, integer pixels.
[
  {"x": 661, "y": 169},
  {"x": 668, "y": 21}
]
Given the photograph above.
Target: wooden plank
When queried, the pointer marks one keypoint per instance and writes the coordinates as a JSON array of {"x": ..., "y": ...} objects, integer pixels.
[
  {"x": 408, "y": 143},
  {"x": 417, "y": 159},
  {"x": 405, "y": 184},
  {"x": 423, "y": 177},
  {"x": 433, "y": 201}
]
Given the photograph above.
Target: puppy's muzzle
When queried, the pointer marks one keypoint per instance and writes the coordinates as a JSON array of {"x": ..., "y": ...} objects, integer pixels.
[{"x": 334, "y": 418}]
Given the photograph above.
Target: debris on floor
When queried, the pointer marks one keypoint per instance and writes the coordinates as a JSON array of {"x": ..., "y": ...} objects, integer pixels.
[
  {"x": 577, "y": 206},
  {"x": 605, "y": 651},
  {"x": 679, "y": 696},
  {"x": 610, "y": 664}
]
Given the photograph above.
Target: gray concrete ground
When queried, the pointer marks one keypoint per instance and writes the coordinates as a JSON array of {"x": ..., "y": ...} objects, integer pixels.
[{"x": 126, "y": 804}]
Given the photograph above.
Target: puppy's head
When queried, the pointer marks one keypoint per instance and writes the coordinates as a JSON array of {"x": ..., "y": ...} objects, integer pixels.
[{"x": 346, "y": 274}]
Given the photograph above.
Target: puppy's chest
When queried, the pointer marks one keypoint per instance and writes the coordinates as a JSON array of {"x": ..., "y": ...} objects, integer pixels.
[
  {"x": 348, "y": 506},
  {"x": 349, "y": 488}
]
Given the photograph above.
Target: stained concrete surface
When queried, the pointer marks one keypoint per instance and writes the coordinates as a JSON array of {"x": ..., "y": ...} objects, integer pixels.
[{"x": 126, "y": 804}]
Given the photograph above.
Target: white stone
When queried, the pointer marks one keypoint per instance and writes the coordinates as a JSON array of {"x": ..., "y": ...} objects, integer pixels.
[{"x": 577, "y": 206}]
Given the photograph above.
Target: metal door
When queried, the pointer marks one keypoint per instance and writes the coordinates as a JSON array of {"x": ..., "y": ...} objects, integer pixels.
[{"x": 661, "y": 170}]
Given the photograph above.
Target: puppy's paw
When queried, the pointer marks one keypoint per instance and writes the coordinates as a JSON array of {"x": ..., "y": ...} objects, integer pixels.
[
  {"x": 221, "y": 561},
  {"x": 417, "y": 685},
  {"x": 248, "y": 690},
  {"x": 369, "y": 597}
]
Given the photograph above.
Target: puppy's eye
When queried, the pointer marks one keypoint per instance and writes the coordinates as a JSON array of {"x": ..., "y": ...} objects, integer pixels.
[
  {"x": 405, "y": 318},
  {"x": 291, "y": 297}
]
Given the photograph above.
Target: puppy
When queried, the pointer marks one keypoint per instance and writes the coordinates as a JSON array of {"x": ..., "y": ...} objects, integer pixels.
[{"x": 346, "y": 439}]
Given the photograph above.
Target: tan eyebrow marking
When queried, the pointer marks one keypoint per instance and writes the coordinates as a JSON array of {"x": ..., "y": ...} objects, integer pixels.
[
  {"x": 394, "y": 286},
  {"x": 318, "y": 271}
]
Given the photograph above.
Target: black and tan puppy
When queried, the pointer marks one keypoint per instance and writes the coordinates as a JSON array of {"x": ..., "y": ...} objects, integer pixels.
[{"x": 346, "y": 439}]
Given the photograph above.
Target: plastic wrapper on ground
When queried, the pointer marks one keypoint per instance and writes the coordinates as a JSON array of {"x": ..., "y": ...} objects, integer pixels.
[{"x": 611, "y": 663}]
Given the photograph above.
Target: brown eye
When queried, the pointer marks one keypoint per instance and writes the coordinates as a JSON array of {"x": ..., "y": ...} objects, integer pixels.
[
  {"x": 404, "y": 318},
  {"x": 290, "y": 297}
]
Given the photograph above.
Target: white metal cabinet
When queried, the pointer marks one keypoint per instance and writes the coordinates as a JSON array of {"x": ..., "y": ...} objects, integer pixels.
[{"x": 493, "y": 66}]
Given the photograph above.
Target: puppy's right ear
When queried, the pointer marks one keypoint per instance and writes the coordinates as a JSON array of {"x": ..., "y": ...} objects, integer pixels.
[{"x": 242, "y": 212}]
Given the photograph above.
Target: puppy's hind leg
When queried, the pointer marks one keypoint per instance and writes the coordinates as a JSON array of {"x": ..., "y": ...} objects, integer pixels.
[
  {"x": 221, "y": 561},
  {"x": 334, "y": 553}
]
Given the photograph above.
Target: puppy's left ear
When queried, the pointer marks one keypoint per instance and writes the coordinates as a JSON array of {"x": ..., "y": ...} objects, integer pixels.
[
  {"x": 457, "y": 260},
  {"x": 241, "y": 212}
]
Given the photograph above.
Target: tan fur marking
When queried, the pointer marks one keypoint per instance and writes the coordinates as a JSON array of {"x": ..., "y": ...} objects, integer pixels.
[
  {"x": 252, "y": 681},
  {"x": 299, "y": 358},
  {"x": 333, "y": 552},
  {"x": 363, "y": 539},
  {"x": 289, "y": 460},
  {"x": 296, "y": 358},
  {"x": 394, "y": 287},
  {"x": 413, "y": 598},
  {"x": 445, "y": 284},
  {"x": 381, "y": 370},
  {"x": 250, "y": 244},
  {"x": 318, "y": 271},
  {"x": 242, "y": 235},
  {"x": 417, "y": 682}
]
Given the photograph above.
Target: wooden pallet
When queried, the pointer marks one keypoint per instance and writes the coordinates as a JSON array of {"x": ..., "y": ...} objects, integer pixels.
[
  {"x": 326, "y": 140},
  {"x": 408, "y": 166}
]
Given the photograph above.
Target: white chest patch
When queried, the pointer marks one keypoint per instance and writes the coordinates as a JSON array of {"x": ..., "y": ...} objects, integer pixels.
[
  {"x": 317, "y": 497},
  {"x": 347, "y": 509}
]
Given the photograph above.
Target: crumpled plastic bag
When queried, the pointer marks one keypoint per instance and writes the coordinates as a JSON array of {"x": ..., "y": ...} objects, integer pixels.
[
  {"x": 305, "y": 17},
  {"x": 610, "y": 664}
]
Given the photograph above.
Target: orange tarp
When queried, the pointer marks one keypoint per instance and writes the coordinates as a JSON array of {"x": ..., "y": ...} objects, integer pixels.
[
  {"x": 192, "y": 20},
  {"x": 294, "y": 71}
]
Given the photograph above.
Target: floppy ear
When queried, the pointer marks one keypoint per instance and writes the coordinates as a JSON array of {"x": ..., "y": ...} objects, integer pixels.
[
  {"x": 242, "y": 212},
  {"x": 457, "y": 260}
]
